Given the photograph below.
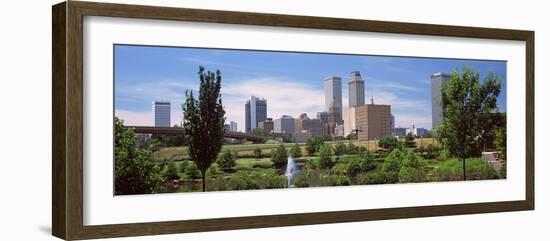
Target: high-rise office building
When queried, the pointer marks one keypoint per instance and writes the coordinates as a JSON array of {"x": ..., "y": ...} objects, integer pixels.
[
  {"x": 313, "y": 126},
  {"x": 333, "y": 97},
  {"x": 255, "y": 112},
  {"x": 437, "y": 79},
  {"x": 392, "y": 124},
  {"x": 267, "y": 125},
  {"x": 356, "y": 90},
  {"x": 232, "y": 126},
  {"x": 372, "y": 120},
  {"x": 285, "y": 124},
  {"x": 161, "y": 113},
  {"x": 323, "y": 116}
]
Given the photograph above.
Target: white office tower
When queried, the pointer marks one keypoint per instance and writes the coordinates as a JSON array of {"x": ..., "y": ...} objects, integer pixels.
[{"x": 161, "y": 113}]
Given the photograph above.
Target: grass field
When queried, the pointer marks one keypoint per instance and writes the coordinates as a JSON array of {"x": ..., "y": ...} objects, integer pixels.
[{"x": 181, "y": 153}]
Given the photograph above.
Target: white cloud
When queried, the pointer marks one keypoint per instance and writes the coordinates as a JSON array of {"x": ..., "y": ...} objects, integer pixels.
[
  {"x": 407, "y": 120},
  {"x": 170, "y": 89},
  {"x": 283, "y": 97},
  {"x": 145, "y": 118},
  {"x": 132, "y": 118}
]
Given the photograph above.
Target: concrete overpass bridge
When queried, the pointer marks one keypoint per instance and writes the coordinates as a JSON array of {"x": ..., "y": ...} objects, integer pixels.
[{"x": 180, "y": 131}]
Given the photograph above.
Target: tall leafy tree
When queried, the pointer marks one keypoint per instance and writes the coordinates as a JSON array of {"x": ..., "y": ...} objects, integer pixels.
[
  {"x": 388, "y": 142},
  {"x": 279, "y": 157},
  {"x": 204, "y": 121},
  {"x": 134, "y": 172},
  {"x": 467, "y": 105}
]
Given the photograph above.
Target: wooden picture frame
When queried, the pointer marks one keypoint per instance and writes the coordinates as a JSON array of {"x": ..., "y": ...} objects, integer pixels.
[{"x": 67, "y": 124}]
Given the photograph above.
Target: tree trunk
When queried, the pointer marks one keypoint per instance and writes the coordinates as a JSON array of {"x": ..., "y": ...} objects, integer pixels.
[
  {"x": 464, "y": 168},
  {"x": 203, "y": 180}
]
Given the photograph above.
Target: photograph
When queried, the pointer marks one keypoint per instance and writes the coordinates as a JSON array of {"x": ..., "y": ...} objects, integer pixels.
[{"x": 189, "y": 119}]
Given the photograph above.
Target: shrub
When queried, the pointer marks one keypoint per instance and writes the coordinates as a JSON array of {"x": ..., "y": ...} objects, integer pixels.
[
  {"x": 227, "y": 160},
  {"x": 296, "y": 151},
  {"x": 409, "y": 174},
  {"x": 343, "y": 181},
  {"x": 241, "y": 181},
  {"x": 393, "y": 161},
  {"x": 270, "y": 181},
  {"x": 171, "y": 171},
  {"x": 262, "y": 165},
  {"x": 183, "y": 166},
  {"x": 212, "y": 170},
  {"x": 325, "y": 157},
  {"x": 409, "y": 141},
  {"x": 192, "y": 171},
  {"x": 340, "y": 149},
  {"x": 257, "y": 153},
  {"x": 217, "y": 184},
  {"x": 388, "y": 142},
  {"x": 302, "y": 180},
  {"x": 279, "y": 157},
  {"x": 352, "y": 149},
  {"x": 371, "y": 178},
  {"x": 413, "y": 169},
  {"x": 357, "y": 165},
  {"x": 354, "y": 167},
  {"x": 476, "y": 169},
  {"x": 314, "y": 144},
  {"x": 312, "y": 163},
  {"x": 431, "y": 151}
]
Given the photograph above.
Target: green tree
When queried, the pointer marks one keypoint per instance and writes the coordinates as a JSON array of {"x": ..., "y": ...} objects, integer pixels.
[
  {"x": 134, "y": 172},
  {"x": 260, "y": 132},
  {"x": 325, "y": 157},
  {"x": 171, "y": 171},
  {"x": 392, "y": 165},
  {"x": 500, "y": 139},
  {"x": 340, "y": 149},
  {"x": 314, "y": 144},
  {"x": 192, "y": 171},
  {"x": 279, "y": 157},
  {"x": 409, "y": 141},
  {"x": 258, "y": 153},
  {"x": 227, "y": 160},
  {"x": 412, "y": 169},
  {"x": 204, "y": 121},
  {"x": 388, "y": 142},
  {"x": 466, "y": 106},
  {"x": 296, "y": 151}
]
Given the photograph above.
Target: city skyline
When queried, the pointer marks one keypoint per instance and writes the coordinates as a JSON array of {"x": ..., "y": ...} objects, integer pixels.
[{"x": 292, "y": 83}]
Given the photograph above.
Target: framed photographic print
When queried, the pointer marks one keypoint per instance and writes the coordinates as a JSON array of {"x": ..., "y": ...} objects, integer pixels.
[{"x": 171, "y": 120}]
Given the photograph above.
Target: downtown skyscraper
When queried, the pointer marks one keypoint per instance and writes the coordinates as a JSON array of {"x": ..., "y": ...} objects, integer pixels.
[
  {"x": 161, "y": 113},
  {"x": 255, "y": 111},
  {"x": 333, "y": 97},
  {"x": 356, "y": 90},
  {"x": 436, "y": 80}
]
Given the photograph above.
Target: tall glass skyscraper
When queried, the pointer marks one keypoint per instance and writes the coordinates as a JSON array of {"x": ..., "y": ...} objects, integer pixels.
[
  {"x": 333, "y": 96},
  {"x": 437, "y": 79},
  {"x": 161, "y": 113},
  {"x": 255, "y": 111},
  {"x": 356, "y": 90}
]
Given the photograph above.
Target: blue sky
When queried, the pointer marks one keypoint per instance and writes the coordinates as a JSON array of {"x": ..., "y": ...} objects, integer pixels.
[{"x": 291, "y": 82}]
